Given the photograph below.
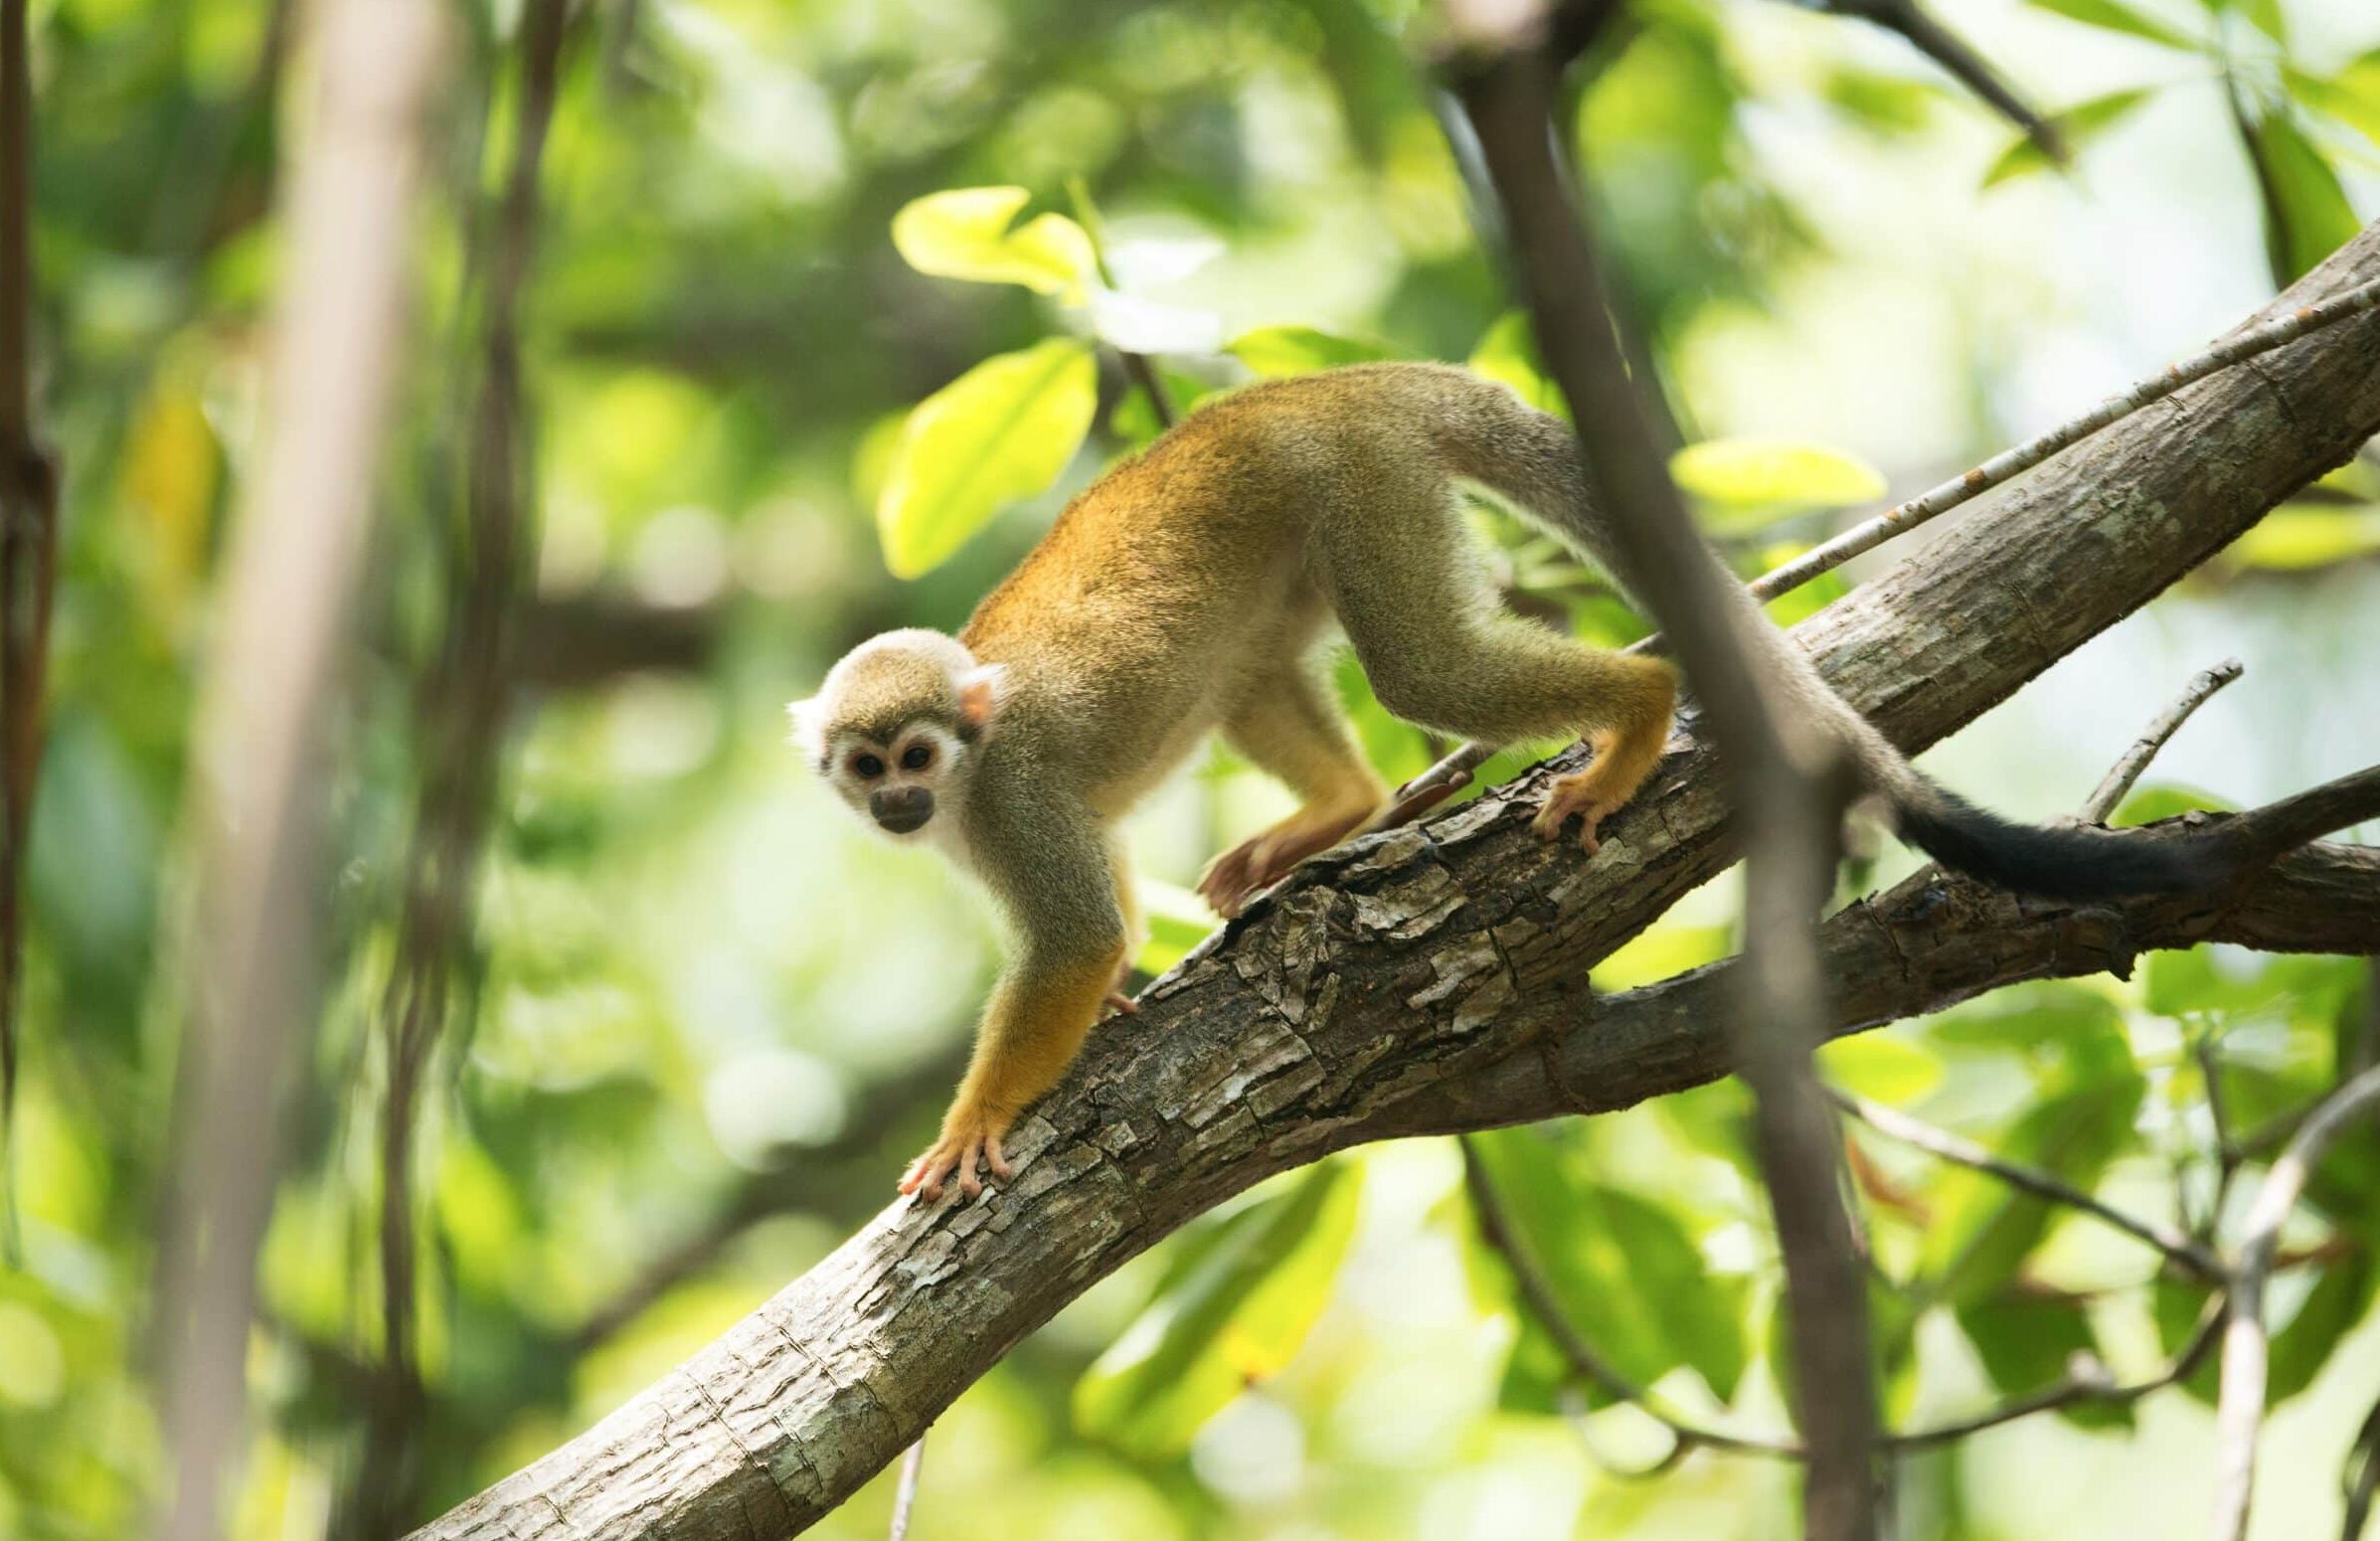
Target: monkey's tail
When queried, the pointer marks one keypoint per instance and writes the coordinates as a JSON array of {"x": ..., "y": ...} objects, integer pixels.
[
  {"x": 1488, "y": 436},
  {"x": 2055, "y": 861}
]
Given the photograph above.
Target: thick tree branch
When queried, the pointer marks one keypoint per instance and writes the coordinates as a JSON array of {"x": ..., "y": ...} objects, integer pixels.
[{"x": 1431, "y": 979}]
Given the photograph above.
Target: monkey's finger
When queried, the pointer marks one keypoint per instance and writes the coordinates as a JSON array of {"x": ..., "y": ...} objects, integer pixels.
[
  {"x": 1118, "y": 1001},
  {"x": 970, "y": 1182},
  {"x": 1000, "y": 1160}
]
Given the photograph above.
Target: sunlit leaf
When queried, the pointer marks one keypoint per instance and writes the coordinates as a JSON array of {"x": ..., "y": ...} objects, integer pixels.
[
  {"x": 1233, "y": 1314},
  {"x": 1884, "y": 1066},
  {"x": 1660, "y": 950},
  {"x": 2352, "y": 96},
  {"x": 2078, "y": 126},
  {"x": 170, "y": 468},
  {"x": 1178, "y": 920},
  {"x": 1275, "y": 351},
  {"x": 1507, "y": 354},
  {"x": 2167, "y": 800},
  {"x": 971, "y": 233},
  {"x": 2307, "y": 216},
  {"x": 1001, "y": 432},
  {"x": 1751, "y": 480},
  {"x": 2290, "y": 539},
  {"x": 2114, "y": 16}
]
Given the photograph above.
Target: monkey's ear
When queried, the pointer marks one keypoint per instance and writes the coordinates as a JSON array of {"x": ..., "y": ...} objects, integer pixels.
[
  {"x": 807, "y": 721},
  {"x": 981, "y": 689}
]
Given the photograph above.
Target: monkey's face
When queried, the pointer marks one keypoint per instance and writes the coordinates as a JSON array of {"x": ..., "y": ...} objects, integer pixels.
[
  {"x": 900, "y": 780},
  {"x": 896, "y": 726}
]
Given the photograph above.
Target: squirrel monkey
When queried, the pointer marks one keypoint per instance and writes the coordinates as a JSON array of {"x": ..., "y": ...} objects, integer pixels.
[{"x": 1187, "y": 590}]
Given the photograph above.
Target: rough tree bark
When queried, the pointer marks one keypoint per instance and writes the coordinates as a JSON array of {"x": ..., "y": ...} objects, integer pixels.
[{"x": 1433, "y": 978}]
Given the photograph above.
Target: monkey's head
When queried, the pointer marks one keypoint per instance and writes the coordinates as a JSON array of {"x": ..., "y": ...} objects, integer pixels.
[{"x": 896, "y": 723}]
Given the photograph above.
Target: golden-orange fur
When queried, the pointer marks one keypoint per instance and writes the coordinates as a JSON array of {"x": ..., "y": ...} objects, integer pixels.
[{"x": 1188, "y": 592}]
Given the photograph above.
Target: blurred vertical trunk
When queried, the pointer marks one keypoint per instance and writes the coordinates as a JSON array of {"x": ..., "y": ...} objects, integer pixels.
[{"x": 257, "y": 800}]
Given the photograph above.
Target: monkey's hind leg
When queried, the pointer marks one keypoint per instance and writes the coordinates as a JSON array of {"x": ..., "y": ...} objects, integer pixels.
[
  {"x": 1290, "y": 730},
  {"x": 1440, "y": 655}
]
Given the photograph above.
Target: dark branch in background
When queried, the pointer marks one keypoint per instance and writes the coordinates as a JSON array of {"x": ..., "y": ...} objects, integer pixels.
[
  {"x": 257, "y": 775},
  {"x": 1788, "y": 782},
  {"x": 28, "y": 565},
  {"x": 1960, "y": 62},
  {"x": 1451, "y": 774},
  {"x": 460, "y": 723},
  {"x": 2242, "y": 1406}
]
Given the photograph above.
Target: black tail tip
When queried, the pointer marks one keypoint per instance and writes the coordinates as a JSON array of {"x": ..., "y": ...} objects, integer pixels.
[{"x": 2070, "y": 861}]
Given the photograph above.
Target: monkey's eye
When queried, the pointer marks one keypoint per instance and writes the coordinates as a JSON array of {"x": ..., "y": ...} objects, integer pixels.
[
  {"x": 868, "y": 765},
  {"x": 917, "y": 758}
]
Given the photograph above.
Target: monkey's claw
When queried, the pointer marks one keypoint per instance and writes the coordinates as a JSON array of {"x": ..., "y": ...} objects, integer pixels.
[
  {"x": 1571, "y": 797},
  {"x": 967, "y": 1137}
]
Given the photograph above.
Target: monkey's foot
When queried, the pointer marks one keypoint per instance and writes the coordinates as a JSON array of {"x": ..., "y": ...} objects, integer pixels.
[
  {"x": 1235, "y": 875},
  {"x": 968, "y": 1136},
  {"x": 1574, "y": 796},
  {"x": 1121, "y": 1005}
]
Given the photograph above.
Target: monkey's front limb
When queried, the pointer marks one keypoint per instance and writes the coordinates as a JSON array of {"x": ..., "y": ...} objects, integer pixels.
[{"x": 1031, "y": 1030}]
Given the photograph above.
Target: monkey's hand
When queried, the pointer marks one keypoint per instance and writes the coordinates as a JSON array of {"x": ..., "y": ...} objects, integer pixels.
[{"x": 971, "y": 1132}]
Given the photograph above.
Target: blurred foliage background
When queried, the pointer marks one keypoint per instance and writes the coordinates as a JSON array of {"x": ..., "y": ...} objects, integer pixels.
[{"x": 704, "y": 1019}]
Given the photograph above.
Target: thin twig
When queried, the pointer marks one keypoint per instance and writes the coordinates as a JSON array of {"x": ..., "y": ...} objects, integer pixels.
[
  {"x": 1139, "y": 366},
  {"x": 1789, "y": 780},
  {"x": 904, "y": 1496},
  {"x": 2091, "y": 1385},
  {"x": 2126, "y": 771},
  {"x": 2240, "y": 1408},
  {"x": 1451, "y": 774},
  {"x": 1958, "y": 60},
  {"x": 2026, "y": 1179},
  {"x": 1496, "y": 1232}
]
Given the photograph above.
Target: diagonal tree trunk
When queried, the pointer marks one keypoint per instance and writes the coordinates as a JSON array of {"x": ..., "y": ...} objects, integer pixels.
[{"x": 1433, "y": 978}]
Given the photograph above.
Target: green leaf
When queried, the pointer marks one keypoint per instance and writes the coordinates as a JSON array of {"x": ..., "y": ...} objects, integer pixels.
[
  {"x": 1660, "y": 950},
  {"x": 2112, "y": 15},
  {"x": 2307, "y": 214},
  {"x": 2148, "y": 805},
  {"x": 2352, "y": 96},
  {"x": 1001, "y": 432},
  {"x": 1135, "y": 419},
  {"x": 1627, "y": 1270},
  {"x": 1886, "y": 1066},
  {"x": 1233, "y": 1311},
  {"x": 1754, "y": 480},
  {"x": 2078, "y": 126},
  {"x": 1275, "y": 351},
  {"x": 1984, "y": 1230},
  {"x": 1178, "y": 920},
  {"x": 2027, "y": 1344},
  {"x": 2330, "y": 1311},
  {"x": 2293, "y": 538},
  {"x": 971, "y": 233},
  {"x": 1507, "y": 354}
]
